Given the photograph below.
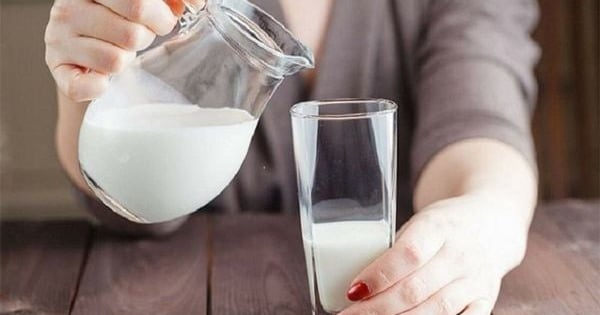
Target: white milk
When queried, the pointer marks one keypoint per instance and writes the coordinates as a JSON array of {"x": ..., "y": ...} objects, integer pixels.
[
  {"x": 162, "y": 161},
  {"x": 340, "y": 251}
]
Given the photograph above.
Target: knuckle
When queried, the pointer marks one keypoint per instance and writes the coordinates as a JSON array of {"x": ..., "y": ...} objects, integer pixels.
[
  {"x": 413, "y": 291},
  {"x": 444, "y": 306},
  {"x": 71, "y": 89},
  {"x": 136, "y": 10},
  {"x": 384, "y": 277},
  {"x": 61, "y": 12},
  {"x": 132, "y": 37},
  {"x": 413, "y": 254},
  {"x": 433, "y": 222},
  {"x": 48, "y": 59},
  {"x": 49, "y": 37},
  {"x": 438, "y": 224},
  {"x": 461, "y": 258},
  {"x": 370, "y": 312},
  {"x": 115, "y": 61}
]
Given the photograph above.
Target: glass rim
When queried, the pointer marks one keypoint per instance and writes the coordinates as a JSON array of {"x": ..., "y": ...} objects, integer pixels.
[{"x": 391, "y": 107}]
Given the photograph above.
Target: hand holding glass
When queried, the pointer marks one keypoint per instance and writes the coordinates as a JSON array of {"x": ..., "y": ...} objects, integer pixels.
[{"x": 345, "y": 154}]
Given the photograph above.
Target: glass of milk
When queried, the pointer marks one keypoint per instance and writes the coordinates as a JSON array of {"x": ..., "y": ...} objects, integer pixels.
[
  {"x": 172, "y": 130},
  {"x": 345, "y": 152}
]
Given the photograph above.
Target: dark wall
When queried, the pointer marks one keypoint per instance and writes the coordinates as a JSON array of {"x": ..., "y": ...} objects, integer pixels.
[{"x": 566, "y": 123}]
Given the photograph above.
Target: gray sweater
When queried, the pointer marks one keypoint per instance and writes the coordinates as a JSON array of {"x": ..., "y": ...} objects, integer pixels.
[{"x": 456, "y": 69}]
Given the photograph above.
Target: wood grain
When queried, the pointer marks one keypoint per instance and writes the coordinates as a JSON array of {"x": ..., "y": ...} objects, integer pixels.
[
  {"x": 258, "y": 266},
  {"x": 557, "y": 276},
  {"x": 40, "y": 265},
  {"x": 579, "y": 225},
  {"x": 147, "y": 276}
]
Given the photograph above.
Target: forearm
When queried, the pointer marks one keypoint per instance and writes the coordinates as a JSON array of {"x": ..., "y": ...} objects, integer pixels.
[
  {"x": 480, "y": 166},
  {"x": 70, "y": 116}
]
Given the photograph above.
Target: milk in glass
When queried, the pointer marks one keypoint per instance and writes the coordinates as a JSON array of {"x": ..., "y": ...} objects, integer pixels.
[{"x": 340, "y": 250}]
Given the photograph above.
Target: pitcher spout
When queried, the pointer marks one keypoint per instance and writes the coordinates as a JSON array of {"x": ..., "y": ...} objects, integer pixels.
[
  {"x": 258, "y": 37},
  {"x": 304, "y": 59}
]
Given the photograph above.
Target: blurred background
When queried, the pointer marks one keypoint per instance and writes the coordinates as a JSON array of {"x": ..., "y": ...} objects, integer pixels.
[{"x": 566, "y": 123}]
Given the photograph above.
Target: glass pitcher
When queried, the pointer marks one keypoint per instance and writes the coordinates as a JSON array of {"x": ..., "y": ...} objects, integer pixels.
[{"x": 172, "y": 130}]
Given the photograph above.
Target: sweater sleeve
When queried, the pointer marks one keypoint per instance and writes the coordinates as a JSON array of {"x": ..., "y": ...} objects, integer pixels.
[{"x": 474, "y": 76}]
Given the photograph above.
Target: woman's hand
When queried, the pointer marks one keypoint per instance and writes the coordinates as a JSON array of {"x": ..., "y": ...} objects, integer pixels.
[
  {"x": 87, "y": 40},
  {"x": 449, "y": 258}
]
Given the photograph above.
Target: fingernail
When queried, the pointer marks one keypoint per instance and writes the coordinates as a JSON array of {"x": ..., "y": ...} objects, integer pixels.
[
  {"x": 358, "y": 291},
  {"x": 177, "y": 7}
]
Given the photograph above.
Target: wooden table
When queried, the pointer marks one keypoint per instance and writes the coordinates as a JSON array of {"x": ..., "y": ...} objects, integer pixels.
[{"x": 254, "y": 264}]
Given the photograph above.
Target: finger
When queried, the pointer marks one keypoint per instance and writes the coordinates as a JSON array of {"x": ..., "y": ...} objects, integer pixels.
[
  {"x": 450, "y": 300},
  {"x": 79, "y": 84},
  {"x": 416, "y": 288},
  {"x": 155, "y": 14},
  {"x": 93, "y": 54},
  {"x": 419, "y": 242},
  {"x": 479, "y": 307},
  {"x": 120, "y": 32},
  {"x": 177, "y": 6}
]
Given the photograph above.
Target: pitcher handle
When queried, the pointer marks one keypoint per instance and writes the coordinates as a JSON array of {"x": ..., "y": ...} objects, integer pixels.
[
  {"x": 192, "y": 14},
  {"x": 194, "y": 9}
]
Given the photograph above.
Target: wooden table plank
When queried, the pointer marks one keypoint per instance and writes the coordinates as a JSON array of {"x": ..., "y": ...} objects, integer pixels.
[
  {"x": 147, "y": 276},
  {"x": 579, "y": 222},
  {"x": 40, "y": 265},
  {"x": 258, "y": 266},
  {"x": 557, "y": 276},
  {"x": 579, "y": 225}
]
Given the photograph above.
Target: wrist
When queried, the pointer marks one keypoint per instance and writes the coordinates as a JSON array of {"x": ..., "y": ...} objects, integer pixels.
[{"x": 477, "y": 165}]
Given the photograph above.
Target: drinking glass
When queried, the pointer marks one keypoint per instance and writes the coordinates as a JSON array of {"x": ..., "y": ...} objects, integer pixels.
[{"x": 345, "y": 153}]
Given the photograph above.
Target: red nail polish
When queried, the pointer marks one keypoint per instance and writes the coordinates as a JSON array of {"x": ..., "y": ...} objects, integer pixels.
[
  {"x": 358, "y": 291},
  {"x": 177, "y": 7}
]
